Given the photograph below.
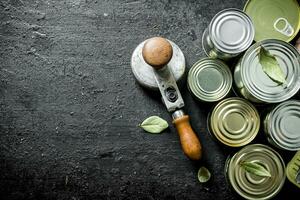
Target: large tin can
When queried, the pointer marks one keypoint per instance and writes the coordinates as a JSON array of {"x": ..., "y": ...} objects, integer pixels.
[
  {"x": 277, "y": 19},
  {"x": 234, "y": 122},
  {"x": 255, "y": 85},
  {"x": 251, "y": 186},
  {"x": 229, "y": 33},
  {"x": 209, "y": 80},
  {"x": 282, "y": 125}
]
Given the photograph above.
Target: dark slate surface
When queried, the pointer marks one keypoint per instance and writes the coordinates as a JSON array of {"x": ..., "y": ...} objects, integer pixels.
[{"x": 69, "y": 104}]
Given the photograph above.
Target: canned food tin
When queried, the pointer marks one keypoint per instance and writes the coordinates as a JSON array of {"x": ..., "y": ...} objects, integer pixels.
[
  {"x": 281, "y": 19},
  {"x": 255, "y": 85},
  {"x": 229, "y": 33},
  {"x": 248, "y": 185},
  {"x": 293, "y": 169},
  {"x": 209, "y": 80},
  {"x": 282, "y": 125},
  {"x": 234, "y": 122}
]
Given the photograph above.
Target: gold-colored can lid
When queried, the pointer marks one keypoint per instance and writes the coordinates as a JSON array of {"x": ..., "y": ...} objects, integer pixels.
[
  {"x": 234, "y": 122},
  {"x": 251, "y": 186}
]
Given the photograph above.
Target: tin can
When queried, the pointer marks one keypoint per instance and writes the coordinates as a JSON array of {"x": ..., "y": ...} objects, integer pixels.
[
  {"x": 248, "y": 185},
  {"x": 293, "y": 170},
  {"x": 229, "y": 33},
  {"x": 255, "y": 85},
  {"x": 234, "y": 122},
  {"x": 209, "y": 80},
  {"x": 282, "y": 125},
  {"x": 281, "y": 19}
]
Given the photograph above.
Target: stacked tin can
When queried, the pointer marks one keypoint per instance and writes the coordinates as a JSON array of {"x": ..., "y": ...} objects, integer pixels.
[{"x": 234, "y": 121}]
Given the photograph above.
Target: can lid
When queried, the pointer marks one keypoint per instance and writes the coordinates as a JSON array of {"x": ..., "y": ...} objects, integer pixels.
[
  {"x": 284, "y": 125},
  {"x": 234, "y": 122},
  {"x": 257, "y": 81},
  {"x": 210, "y": 79},
  {"x": 251, "y": 186},
  {"x": 281, "y": 19},
  {"x": 231, "y": 31}
]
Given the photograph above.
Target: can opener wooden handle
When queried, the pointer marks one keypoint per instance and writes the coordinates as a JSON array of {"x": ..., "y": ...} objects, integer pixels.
[{"x": 157, "y": 52}]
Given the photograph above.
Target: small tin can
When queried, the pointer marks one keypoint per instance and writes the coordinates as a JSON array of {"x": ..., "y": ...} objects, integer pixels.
[
  {"x": 229, "y": 33},
  {"x": 255, "y": 85},
  {"x": 209, "y": 80},
  {"x": 282, "y": 125},
  {"x": 250, "y": 186},
  {"x": 234, "y": 122}
]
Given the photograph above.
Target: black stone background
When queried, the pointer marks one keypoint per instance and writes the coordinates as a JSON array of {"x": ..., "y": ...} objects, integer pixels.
[{"x": 70, "y": 106}]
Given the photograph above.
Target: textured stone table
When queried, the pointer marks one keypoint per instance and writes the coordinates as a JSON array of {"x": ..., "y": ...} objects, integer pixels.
[{"x": 70, "y": 106}]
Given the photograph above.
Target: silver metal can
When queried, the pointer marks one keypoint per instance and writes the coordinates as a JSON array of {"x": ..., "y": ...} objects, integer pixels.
[
  {"x": 229, "y": 33},
  {"x": 234, "y": 122},
  {"x": 282, "y": 125},
  {"x": 250, "y": 186},
  {"x": 255, "y": 85},
  {"x": 209, "y": 80}
]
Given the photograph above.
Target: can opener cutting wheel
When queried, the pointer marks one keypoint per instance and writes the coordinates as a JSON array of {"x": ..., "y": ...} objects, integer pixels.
[{"x": 156, "y": 64}]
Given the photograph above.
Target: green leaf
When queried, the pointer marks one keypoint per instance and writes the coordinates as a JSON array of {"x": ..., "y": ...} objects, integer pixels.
[
  {"x": 154, "y": 124},
  {"x": 203, "y": 175},
  {"x": 270, "y": 66},
  {"x": 255, "y": 168}
]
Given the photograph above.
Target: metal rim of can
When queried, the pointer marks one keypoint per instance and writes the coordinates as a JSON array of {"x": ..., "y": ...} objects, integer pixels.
[
  {"x": 282, "y": 125},
  {"x": 205, "y": 70},
  {"x": 243, "y": 24},
  {"x": 296, "y": 30},
  {"x": 211, "y": 51},
  {"x": 234, "y": 122},
  {"x": 259, "y": 84},
  {"x": 251, "y": 186}
]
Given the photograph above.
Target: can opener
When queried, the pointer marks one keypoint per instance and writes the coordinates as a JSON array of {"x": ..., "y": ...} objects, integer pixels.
[{"x": 156, "y": 64}]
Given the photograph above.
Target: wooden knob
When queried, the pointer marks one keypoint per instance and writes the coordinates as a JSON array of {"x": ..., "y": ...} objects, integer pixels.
[
  {"x": 190, "y": 143},
  {"x": 157, "y": 52}
]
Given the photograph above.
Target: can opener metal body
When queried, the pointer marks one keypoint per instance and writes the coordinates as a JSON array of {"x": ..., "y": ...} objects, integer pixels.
[{"x": 157, "y": 64}]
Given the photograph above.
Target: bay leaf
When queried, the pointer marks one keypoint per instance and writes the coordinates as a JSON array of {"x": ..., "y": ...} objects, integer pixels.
[
  {"x": 203, "y": 175},
  {"x": 154, "y": 124},
  {"x": 255, "y": 168},
  {"x": 271, "y": 66}
]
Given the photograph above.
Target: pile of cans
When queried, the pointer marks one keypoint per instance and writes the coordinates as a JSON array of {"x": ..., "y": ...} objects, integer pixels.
[{"x": 234, "y": 120}]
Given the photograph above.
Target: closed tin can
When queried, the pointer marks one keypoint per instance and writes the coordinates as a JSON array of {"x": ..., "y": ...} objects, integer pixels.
[
  {"x": 255, "y": 85},
  {"x": 282, "y": 125},
  {"x": 293, "y": 170},
  {"x": 209, "y": 80},
  {"x": 281, "y": 19},
  {"x": 229, "y": 33},
  {"x": 234, "y": 122},
  {"x": 251, "y": 186}
]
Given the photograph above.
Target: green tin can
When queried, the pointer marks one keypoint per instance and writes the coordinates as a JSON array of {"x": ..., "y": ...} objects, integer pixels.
[
  {"x": 250, "y": 186},
  {"x": 209, "y": 80},
  {"x": 282, "y": 125},
  {"x": 234, "y": 122},
  {"x": 255, "y": 85},
  {"x": 276, "y": 19},
  {"x": 293, "y": 170}
]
